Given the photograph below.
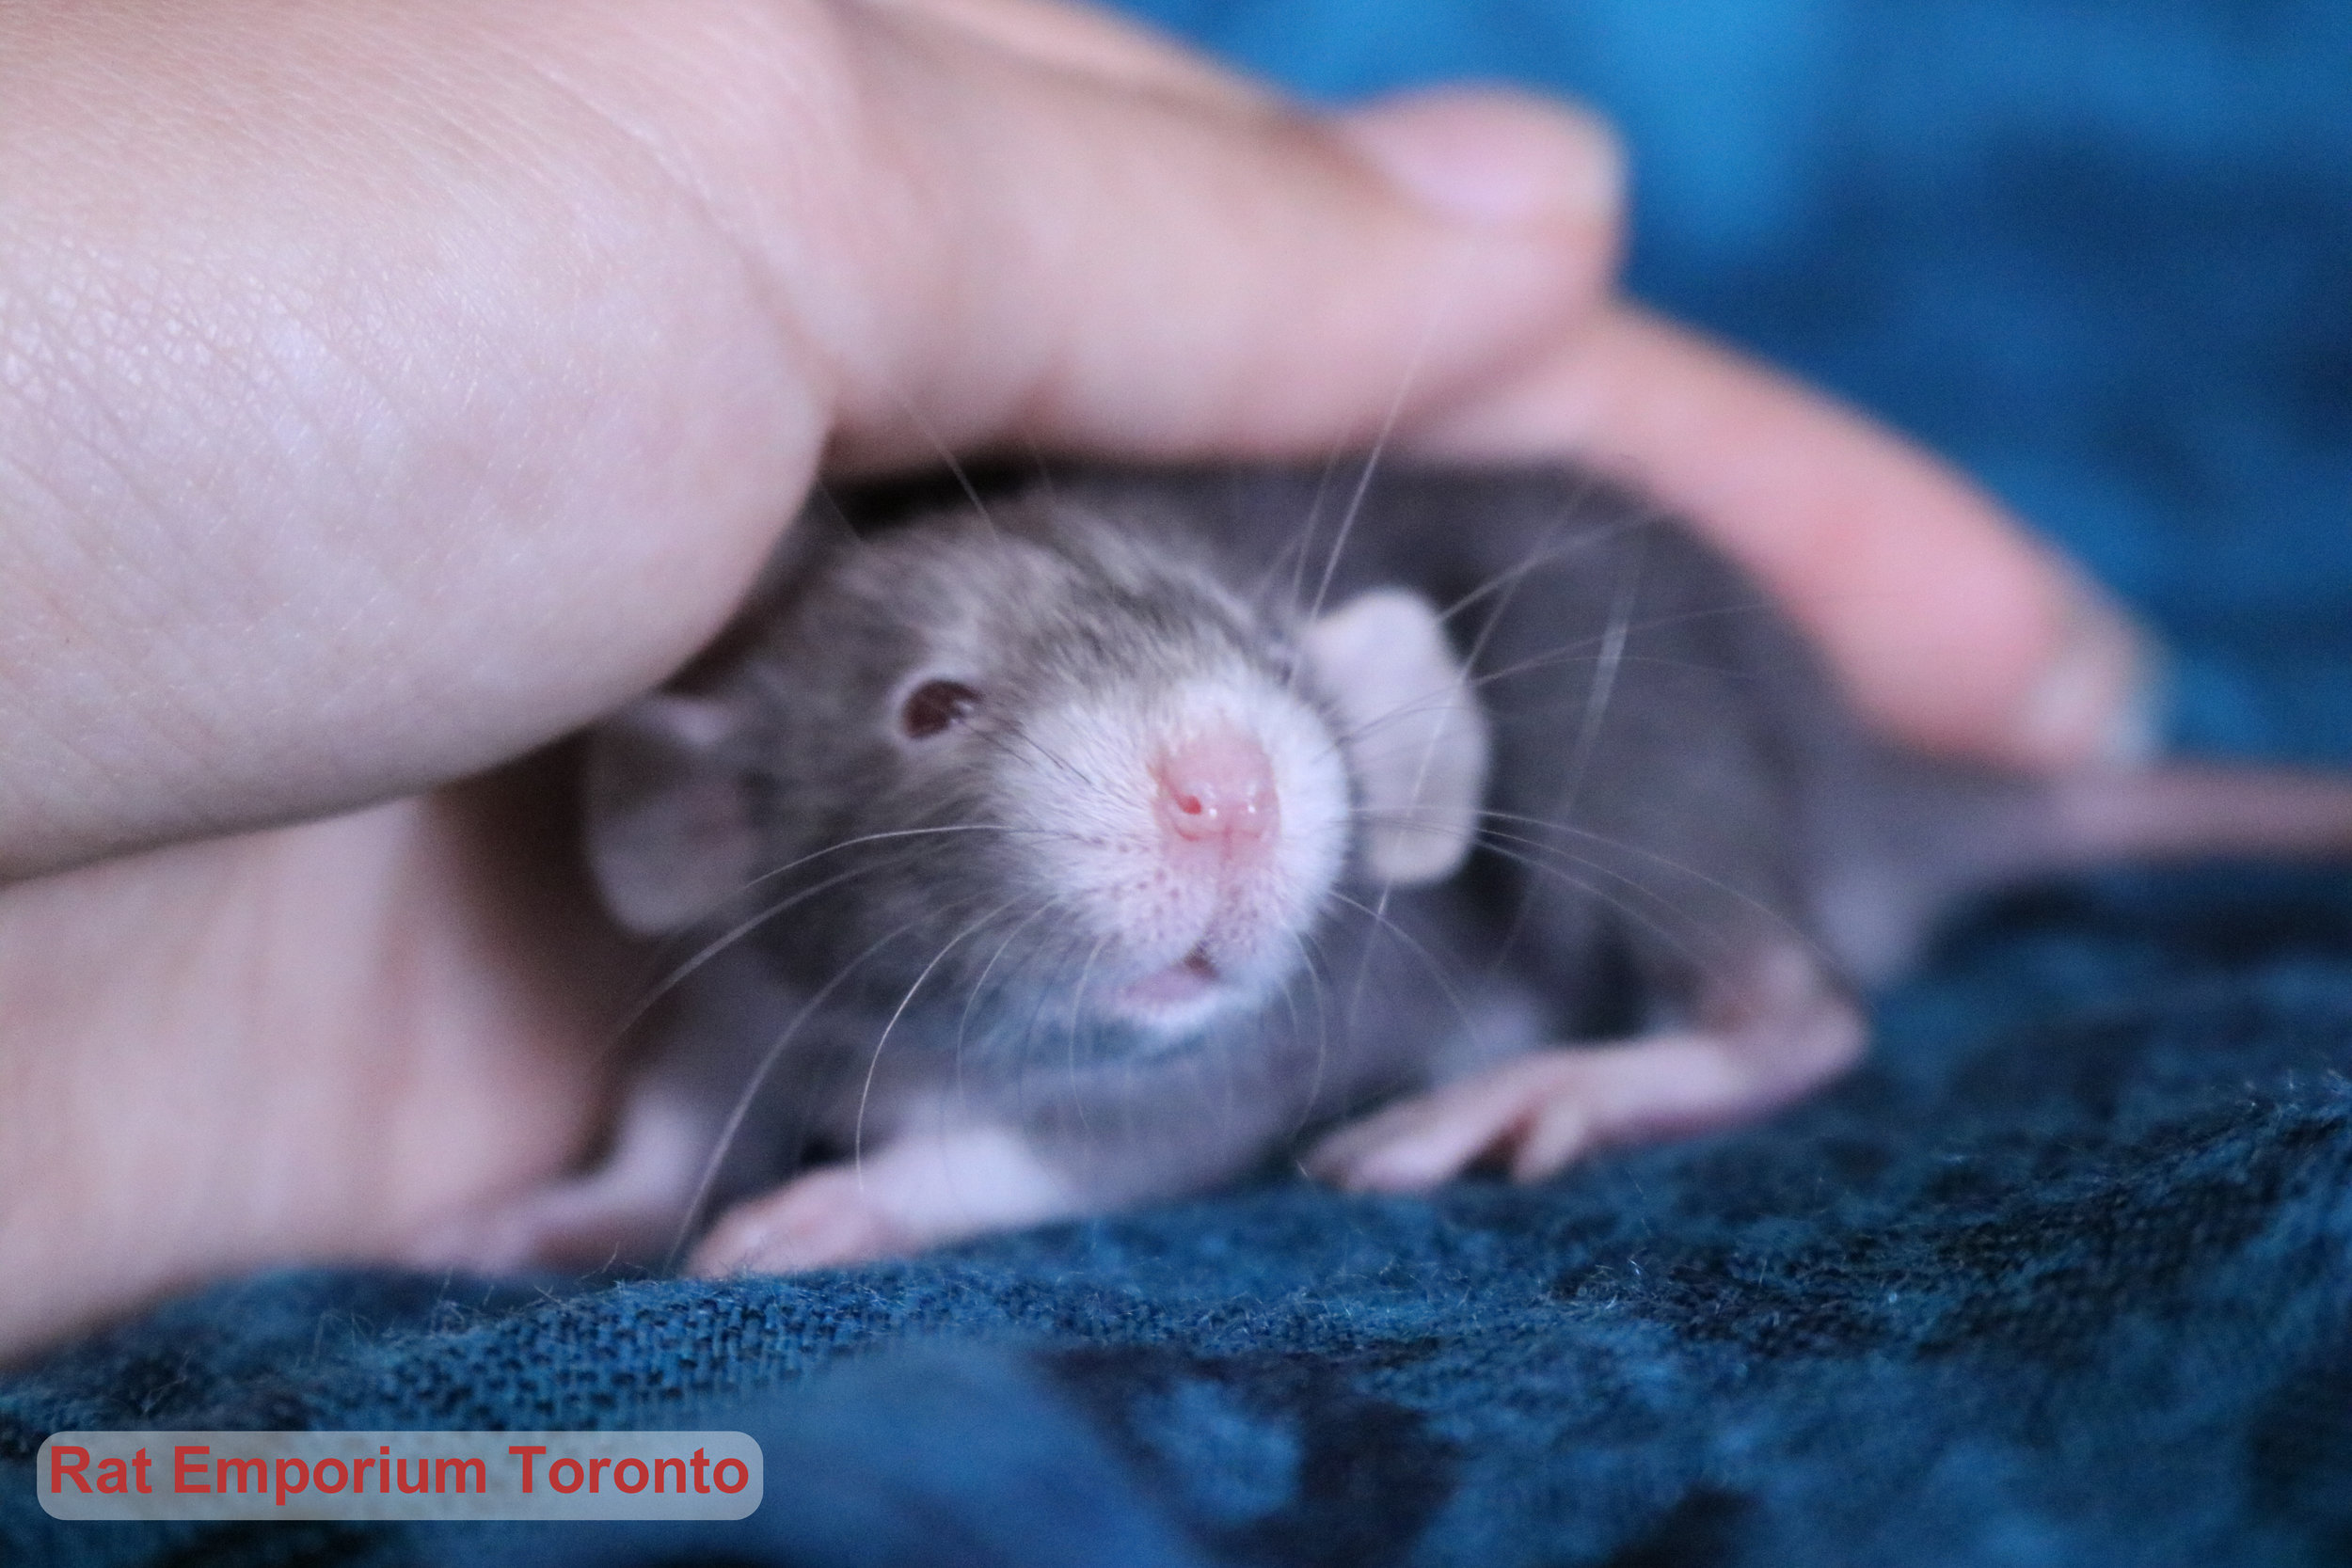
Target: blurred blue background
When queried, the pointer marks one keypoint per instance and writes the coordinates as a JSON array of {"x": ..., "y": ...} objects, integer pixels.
[{"x": 2099, "y": 252}]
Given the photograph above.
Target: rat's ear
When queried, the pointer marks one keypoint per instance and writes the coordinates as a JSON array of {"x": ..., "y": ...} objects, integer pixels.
[
  {"x": 1415, "y": 735},
  {"x": 670, "y": 832}
]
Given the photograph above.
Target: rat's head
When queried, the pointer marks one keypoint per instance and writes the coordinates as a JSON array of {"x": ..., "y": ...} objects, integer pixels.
[{"x": 1041, "y": 754}]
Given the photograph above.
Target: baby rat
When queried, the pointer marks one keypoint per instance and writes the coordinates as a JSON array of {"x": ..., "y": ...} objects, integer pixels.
[{"x": 1087, "y": 840}]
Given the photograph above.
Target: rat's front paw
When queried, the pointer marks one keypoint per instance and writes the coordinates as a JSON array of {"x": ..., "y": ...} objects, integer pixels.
[
  {"x": 820, "y": 1220},
  {"x": 1532, "y": 1114},
  {"x": 1536, "y": 1113}
]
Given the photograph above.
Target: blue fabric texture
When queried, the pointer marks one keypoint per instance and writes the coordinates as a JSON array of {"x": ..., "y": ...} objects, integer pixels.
[{"x": 2063, "y": 1276}]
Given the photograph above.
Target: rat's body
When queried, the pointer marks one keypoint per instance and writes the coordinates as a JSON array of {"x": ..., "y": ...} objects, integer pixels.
[{"x": 1094, "y": 848}]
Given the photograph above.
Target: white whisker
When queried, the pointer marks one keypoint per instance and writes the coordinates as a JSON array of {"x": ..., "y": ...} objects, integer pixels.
[
  {"x": 873, "y": 1065},
  {"x": 758, "y": 1077}
]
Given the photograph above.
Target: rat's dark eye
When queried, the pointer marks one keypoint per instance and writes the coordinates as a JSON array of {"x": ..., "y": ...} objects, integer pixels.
[{"x": 936, "y": 705}]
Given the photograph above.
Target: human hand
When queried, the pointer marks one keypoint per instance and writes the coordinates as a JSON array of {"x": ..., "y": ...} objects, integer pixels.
[{"x": 390, "y": 390}]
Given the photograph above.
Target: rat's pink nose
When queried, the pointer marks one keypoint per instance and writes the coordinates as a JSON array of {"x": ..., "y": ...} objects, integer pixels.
[{"x": 1219, "y": 788}]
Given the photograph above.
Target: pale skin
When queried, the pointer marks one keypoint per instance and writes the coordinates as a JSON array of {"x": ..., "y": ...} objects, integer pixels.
[{"x": 387, "y": 390}]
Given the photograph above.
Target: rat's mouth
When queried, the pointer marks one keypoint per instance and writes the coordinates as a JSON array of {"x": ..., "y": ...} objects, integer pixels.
[{"x": 1191, "y": 979}]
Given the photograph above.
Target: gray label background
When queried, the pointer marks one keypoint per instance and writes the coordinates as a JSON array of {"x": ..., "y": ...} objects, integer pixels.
[{"x": 504, "y": 1498}]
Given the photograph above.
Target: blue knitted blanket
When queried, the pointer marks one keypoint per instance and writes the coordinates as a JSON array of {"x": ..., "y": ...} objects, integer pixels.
[{"x": 2064, "y": 1276}]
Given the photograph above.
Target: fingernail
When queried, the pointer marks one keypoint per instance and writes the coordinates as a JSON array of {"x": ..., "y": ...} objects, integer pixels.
[
  {"x": 2101, "y": 703},
  {"x": 1492, "y": 157}
]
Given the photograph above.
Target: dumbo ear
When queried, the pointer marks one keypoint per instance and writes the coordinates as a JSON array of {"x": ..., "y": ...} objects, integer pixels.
[
  {"x": 1416, "y": 737},
  {"x": 670, "y": 832}
]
